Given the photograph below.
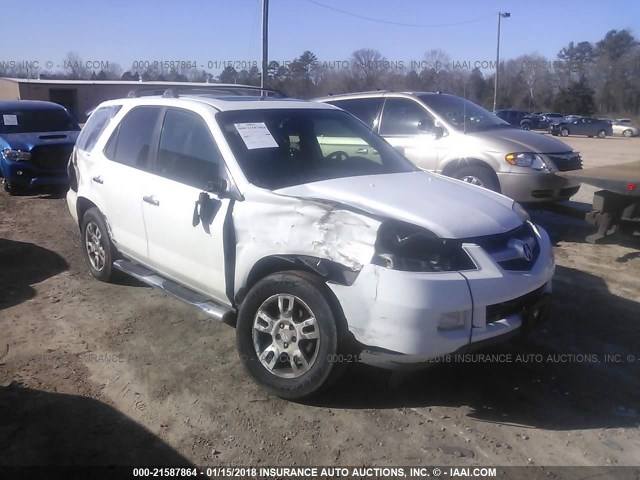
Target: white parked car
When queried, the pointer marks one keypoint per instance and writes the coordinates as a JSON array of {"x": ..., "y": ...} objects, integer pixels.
[
  {"x": 624, "y": 127},
  {"x": 313, "y": 235}
]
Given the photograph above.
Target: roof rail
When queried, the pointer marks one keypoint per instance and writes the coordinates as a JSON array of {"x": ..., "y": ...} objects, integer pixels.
[
  {"x": 227, "y": 89},
  {"x": 379, "y": 90}
]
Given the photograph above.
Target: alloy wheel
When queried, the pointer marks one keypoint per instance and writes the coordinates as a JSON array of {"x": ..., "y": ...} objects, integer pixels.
[{"x": 286, "y": 336}]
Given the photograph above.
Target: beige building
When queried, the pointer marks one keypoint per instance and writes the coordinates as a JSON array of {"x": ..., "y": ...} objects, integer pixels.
[{"x": 78, "y": 96}]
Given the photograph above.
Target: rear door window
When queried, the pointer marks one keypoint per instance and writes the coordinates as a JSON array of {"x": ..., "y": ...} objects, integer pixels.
[
  {"x": 187, "y": 152},
  {"x": 402, "y": 116},
  {"x": 366, "y": 109},
  {"x": 131, "y": 143}
]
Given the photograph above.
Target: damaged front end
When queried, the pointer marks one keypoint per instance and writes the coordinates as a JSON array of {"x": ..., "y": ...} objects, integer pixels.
[{"x": 323, "y": 237}]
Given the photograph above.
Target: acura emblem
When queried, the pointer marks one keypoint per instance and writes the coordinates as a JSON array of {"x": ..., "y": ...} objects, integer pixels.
[{"x": 526, "y": 252}]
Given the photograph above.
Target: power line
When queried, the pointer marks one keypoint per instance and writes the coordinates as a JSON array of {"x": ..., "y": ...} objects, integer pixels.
[{"x": 416, "y": 25}]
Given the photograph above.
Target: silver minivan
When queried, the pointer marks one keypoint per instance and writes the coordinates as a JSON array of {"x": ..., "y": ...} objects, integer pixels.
[{"x": 450, "y": 135}]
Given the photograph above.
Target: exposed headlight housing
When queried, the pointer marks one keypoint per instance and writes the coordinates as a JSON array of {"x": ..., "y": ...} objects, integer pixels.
[
  {"x": 409, "y": 248},
  {"x": 526, "y": 159},
  {"x": 17, "y": 155},
  {"x": 521, "y": 212}
]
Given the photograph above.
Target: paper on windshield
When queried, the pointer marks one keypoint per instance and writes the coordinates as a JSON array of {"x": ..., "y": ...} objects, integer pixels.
[
  {"x": 10, "y": 119},
  {"x": 256, "y": 135}
]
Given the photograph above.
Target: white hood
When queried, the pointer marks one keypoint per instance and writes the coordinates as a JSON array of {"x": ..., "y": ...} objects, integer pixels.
[{"x": 447, "y": 207}]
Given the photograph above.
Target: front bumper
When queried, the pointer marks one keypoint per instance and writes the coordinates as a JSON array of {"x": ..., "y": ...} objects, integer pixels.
[
  {"x": 415, "y": 317},
  {"x": 537, "y": 186},
  {"x": 25, "y": 174}
]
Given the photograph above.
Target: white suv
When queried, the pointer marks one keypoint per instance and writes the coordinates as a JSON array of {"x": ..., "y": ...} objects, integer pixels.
[{"x": 312, "y": 234}]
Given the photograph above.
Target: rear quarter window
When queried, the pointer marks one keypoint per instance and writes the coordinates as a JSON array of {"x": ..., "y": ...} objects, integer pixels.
[
  {"x": 94, "y": 127},
  {"x": 366, "y": 109}
]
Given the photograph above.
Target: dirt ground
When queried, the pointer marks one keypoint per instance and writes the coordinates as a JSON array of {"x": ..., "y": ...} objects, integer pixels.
[{"x": 122, "y": 374}]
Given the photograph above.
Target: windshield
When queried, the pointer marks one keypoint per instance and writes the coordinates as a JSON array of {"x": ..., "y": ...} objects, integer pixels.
[
  {"x": 279, "y": 148},
  {"x": 36, "y": 121},
  {"x": 462, "y": 114}
]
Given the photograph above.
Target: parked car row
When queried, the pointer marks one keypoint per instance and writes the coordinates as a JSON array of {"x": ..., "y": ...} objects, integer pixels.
[
  {"x": 529, "y": 121},
  {"x": 564, "y": 125}
]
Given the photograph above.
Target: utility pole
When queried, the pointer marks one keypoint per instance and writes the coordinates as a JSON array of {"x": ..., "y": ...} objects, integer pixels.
[
  {"x": 265, "y": 45},
  {"x": 495, "y": 84}
]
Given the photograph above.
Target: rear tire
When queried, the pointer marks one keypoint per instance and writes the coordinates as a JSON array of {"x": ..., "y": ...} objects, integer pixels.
[
  {"x": 97, "y": 249},
  {"x": 627, "y": 133},
  {"x": 287, "y": 335},
  {"x": 602, "y": 134},
  {"x": 480, "y": 176}
]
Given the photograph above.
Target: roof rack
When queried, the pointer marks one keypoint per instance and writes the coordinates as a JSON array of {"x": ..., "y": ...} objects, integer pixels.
[
  {"x": 378, "y": 90},
  {"x": 237, "y": 90}
]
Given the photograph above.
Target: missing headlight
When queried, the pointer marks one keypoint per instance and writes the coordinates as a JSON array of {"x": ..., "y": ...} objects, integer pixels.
[{"x": 409, "y": 248}]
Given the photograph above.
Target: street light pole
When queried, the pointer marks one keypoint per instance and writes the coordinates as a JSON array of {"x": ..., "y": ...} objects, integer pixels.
[
  {"x": 495, "y": 84},
  {"x": 265, "y": 44}
]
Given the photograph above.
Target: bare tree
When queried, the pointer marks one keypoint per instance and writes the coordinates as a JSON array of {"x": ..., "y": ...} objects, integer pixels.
[
  {"x": 369, "y": 67},
  {"x": 75, "y": 67}
]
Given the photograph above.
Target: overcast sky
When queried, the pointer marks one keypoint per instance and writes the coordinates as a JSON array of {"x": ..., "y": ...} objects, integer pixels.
[{"x": 217, "y": 30}]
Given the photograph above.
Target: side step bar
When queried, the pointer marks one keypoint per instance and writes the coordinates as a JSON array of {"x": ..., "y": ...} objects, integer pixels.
[{"x": 208, "y": 306}]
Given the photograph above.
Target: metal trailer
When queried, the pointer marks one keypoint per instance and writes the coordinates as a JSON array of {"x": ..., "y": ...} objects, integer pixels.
[{"x": 617, "y": 206}]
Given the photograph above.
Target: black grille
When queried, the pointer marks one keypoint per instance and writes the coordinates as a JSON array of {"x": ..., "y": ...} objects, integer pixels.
[
  {"x": 567, "y": 162},
  {"x": 499, "y": 311},
  {"x": 51, "y": 157}
]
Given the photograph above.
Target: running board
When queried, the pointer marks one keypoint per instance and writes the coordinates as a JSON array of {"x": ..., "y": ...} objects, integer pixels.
[{"x": 208, "y": 306}]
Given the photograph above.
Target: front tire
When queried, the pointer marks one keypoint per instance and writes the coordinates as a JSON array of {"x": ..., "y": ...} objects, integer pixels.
[
  {"x": 12, "y": 188},
  {"x": 602, "y": 134},
  {"x": 627, "y": 133},
  {"x": 525, "y": 126},
  {"x": 287, "y": 335},
  {"x": 97, "y": 247},
  {"x": 564, "y": 132},
  {"x": 480, "y": 176}
]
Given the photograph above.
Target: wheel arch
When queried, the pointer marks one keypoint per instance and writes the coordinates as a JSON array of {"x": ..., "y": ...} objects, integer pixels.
[
  {"x": 320, "y": 268},
  {"x": 82, "y": 205},
  {"x": 456, "y": 164},
  {"x": 325, "y": 269}
]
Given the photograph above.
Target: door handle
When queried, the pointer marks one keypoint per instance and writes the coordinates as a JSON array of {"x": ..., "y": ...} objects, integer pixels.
[
  {"x": 362, "y": 150},
  {"x": 98, "y": 179},
  {"x": 149, "y": 199}
]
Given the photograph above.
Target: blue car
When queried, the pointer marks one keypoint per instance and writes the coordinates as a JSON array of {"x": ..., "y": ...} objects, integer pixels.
[{"x": 36, "y": 140}]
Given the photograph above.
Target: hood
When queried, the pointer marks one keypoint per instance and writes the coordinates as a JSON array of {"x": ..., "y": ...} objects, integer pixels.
[
  {"x": 26, "y": 141},
  {"x": 449, "y": 208},
  {"x": 512, "y": 140}
]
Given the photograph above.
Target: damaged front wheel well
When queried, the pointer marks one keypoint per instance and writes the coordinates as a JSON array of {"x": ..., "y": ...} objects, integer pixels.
[{"x": 323, "y": 268}]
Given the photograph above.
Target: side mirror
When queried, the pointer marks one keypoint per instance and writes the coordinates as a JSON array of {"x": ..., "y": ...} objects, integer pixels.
[
  {"x": 218, "y": 186},
  {"x": 425, "y": 125},
  {"x": 438, "y": 130}
]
